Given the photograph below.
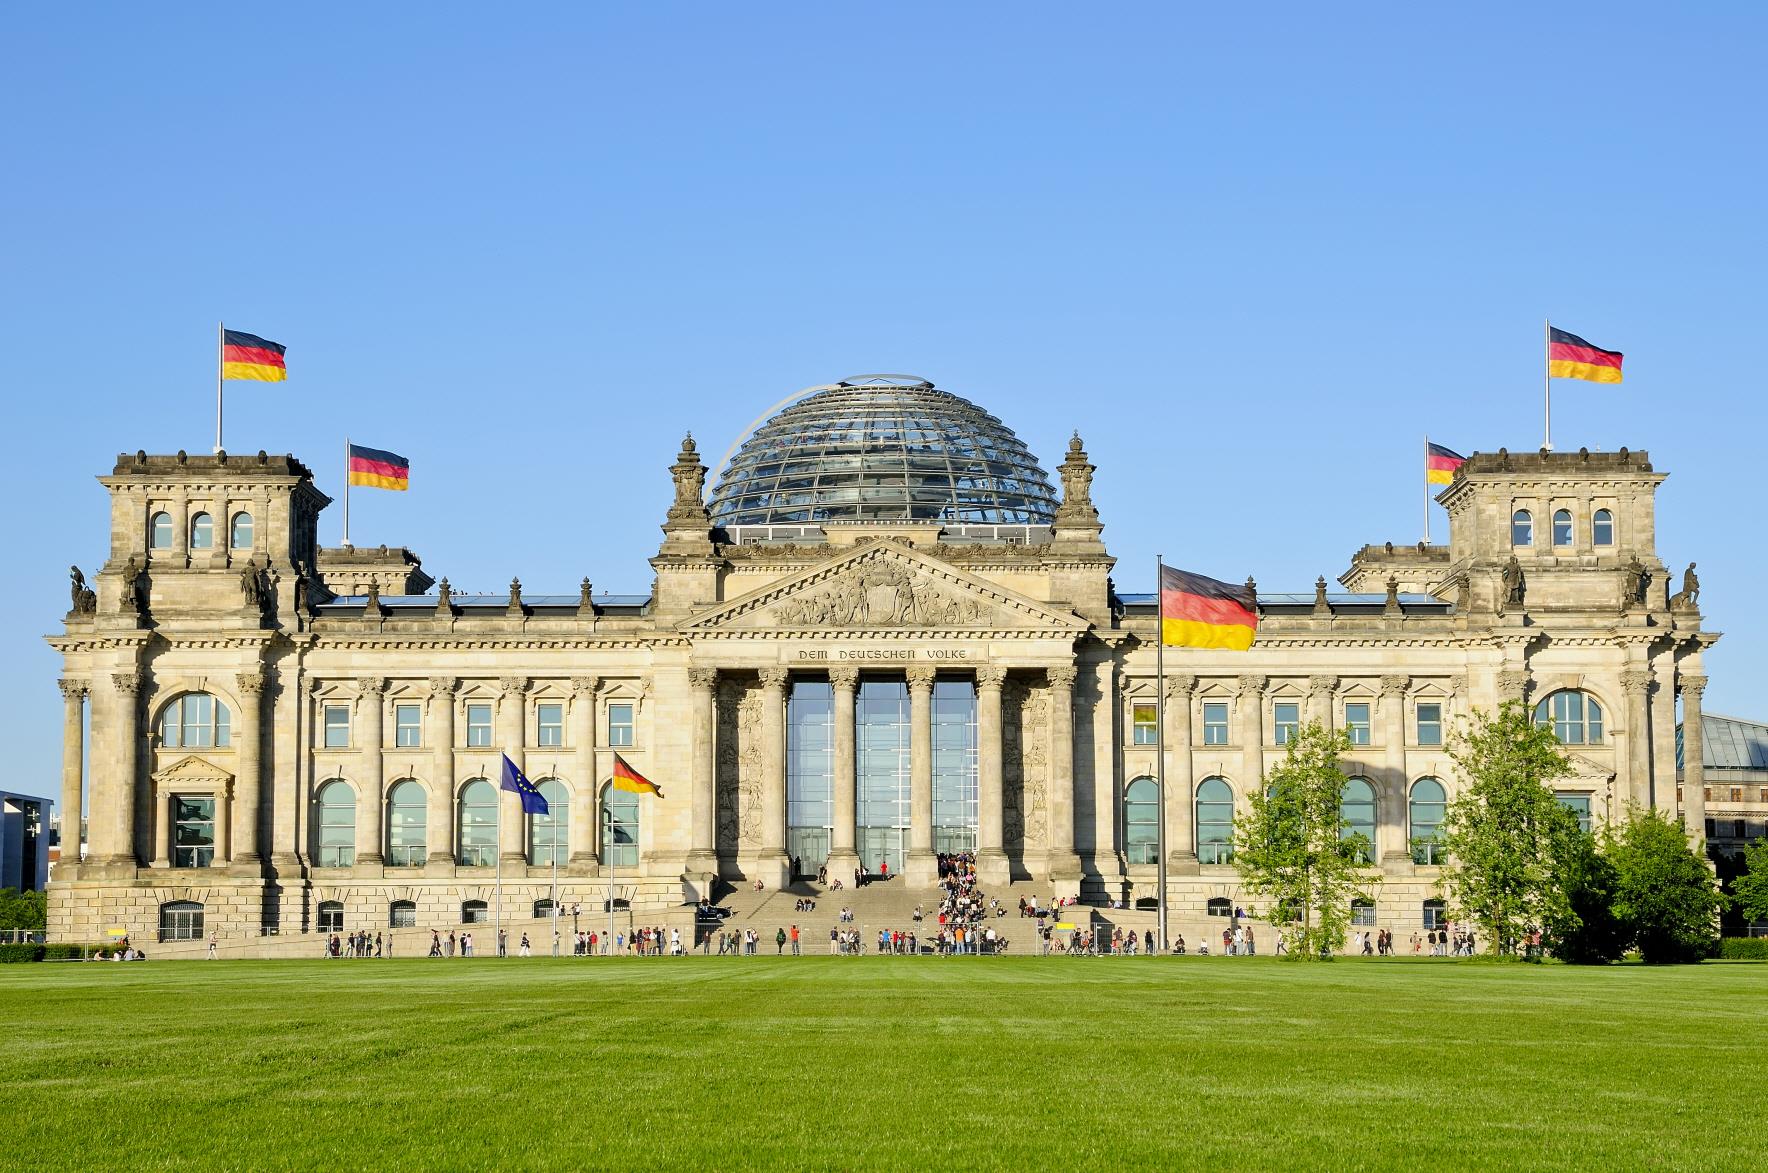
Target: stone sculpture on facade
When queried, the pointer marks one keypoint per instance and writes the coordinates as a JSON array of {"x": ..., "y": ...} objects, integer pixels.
[
  {"x": 1514, "y": 585},
  {"x": 1689, "y": 596},
  {"x": 84, "y": 598}
]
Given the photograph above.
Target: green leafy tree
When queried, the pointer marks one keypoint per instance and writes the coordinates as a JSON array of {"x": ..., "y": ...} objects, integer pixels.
[
  {"x": 1512, "y": 845},
  {"x": 1665, "y": 894},
  {"x": 22, "y": 910},
  {"x": 1751, "y": 887},
  {"x": 1592, "y": 934},
  {"x": 1291, "y": 847}
]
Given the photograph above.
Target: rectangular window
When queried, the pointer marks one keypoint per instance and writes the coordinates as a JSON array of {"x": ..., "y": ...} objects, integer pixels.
[
  {"x": 1578, "y": 804},
  {"x": 1362, "y": 913},
  {"x": 552, "y": 724},
  {"x": 1215, "y": 722},
  {"x": 193, "y": 832},
  {"x": 1739, "y": 832},
  {"x": 1436, "y": 915},
  {"x": 1286, "y": 717},
  {"x": 478, "y": 726},
  {"x": 1706, "y": 794},
  {"x": 1356, "y": 722},
  {"x": 1764, "y": 797},
  {"x": 1430, "y": 724},
  {"x": 337, "y": 726},
  {"x": 1145, "y": 720},
  {"x": 407, "y": 726},
  {"x": 1737, "y": 794},
  {"x": 619, "y": 725}
]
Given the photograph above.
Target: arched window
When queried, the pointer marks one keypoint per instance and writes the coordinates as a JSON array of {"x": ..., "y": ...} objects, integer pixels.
[
  {"x": 1215, "y": 821},
  {"x": 331, "y": 916},
  {"x": 241, "y": 536},
  {"x": 1574, "y": 717},
  {"x": 335, "y": 825},
  {"x": 1602, "y": 528},
  {"x": 1522, "y": 528},
  {"x": 181, "y": 920},
  {"x": 1427, "y": 805},
  {"x": 478, "y": 824},
  {"x": 402, "y": 914},
  {"x": 159, "y": 531},
  {"x": 1219, "y": 906},
  {"x": 1141, "y": 822},
  {"x": 548, "y": 834},
  {"x": 406, "y": 840},
  {"x": 202, "y": 532},
  {"x": 474, "y": 912},
  {"x": 195, "y": 720},
  {"x": 1562, "y": 527},
  {"x": 619, "y": 828},
  {"x": 1356, "y": 805}
]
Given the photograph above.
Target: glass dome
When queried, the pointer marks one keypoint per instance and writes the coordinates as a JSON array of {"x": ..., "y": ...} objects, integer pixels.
[{"x": 883, "y": 448}]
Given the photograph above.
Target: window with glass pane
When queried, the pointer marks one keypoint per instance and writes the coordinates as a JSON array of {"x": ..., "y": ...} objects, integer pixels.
[
  {"x": 1522, "y": 528},
  {"x": 181, "y": 920},
  {"x": 478, "y": 726},
  {"x": 331, "y": 916},
  {"x": 620, "y": 828},
  {"x": 336, "y": 825},
  {"x": 1141, "y": 822},
  {"x": 1356, "y": 721},
  {"x": 810, "y": 772},
  {"x": 619, "y": 725},
  {"x": 548, "y": 840},
  {"x": 1362, "y": 913},
  {"x": 1215, "y": 821},
  {"x": 406, "y": 842},
  {"x": 241, "y": 538},
  {"x": 195, "y": 720},
  {"x": 408, "y": 726},
  {"x": 475, "y": 912},
  {"x": 193, "y": 832},
  {"x": 1576, "y": 719},
  {"x": 550, "y": 724},
  {"x": 1430, "y": 723},
  {"x": 159, "y": 532},
  {"x": 1285, "y": 720},
  {"x": 202, "y": 532},
  {"x": 955, "y": 792},
  {"x": 478, "y": 824},
  {"x": 1428, "y": 801},
  {"x": 1578, "y": 804},
  {"x": 1144, "y": 719},
  {"x": 402, "y": 914},
  {"x": 337, "y": 726},
  {"x": 1215, "y": 722},
  {"x": 881, "y": 750},
  {"x": 1356, "y": 806},
  {"x": 1602, "y": 528},
  {"x": 1436, "y": 914},
  {"x": 1218, "y": 906},
  {"x": 1562, "y": 527}
]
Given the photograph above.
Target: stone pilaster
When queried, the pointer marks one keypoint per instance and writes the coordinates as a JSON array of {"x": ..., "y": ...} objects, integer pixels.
[
  {"x": 371, "y": 807},
  {"x": 73, "y": 765},
  {"x": 439, "y": 818},
  {"x": 1251, "y": 699},
  {"x": 1181, "y": 840},
  {"x": 1663, "y": 737},
  {"x": 586, "y": 803},
  {"x": 1064, "y": 863},
  {"x": 1320, "y": 690},
  {"x": 921, "y": 866},
  {"x": 992, "y": 866},
  {"x": 1694, "y": 798},
  {"x": 119, "y": 840},
  {"x": 775, "y": 865},
  {"x": 843, "y": 853},
  {"x": 1391, "y": 847},
  {"x": 248, "y": 736},
  {"x": 512, "y": 712},
  {"x": 1636, "y": 684},
  {"x": 702, "y": 858}
]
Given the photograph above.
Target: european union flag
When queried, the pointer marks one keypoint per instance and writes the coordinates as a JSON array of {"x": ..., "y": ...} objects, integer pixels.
[{"x": 533, "y": 802}]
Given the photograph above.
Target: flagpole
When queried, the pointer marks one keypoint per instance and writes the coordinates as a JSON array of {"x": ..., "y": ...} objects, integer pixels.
[
  {"x": 346, "y": 492},
  {"x": 1547, "y": 383},
  {"x": 499, "y": 911},
  {"x": 1160, "y": 748},
  {"x": 1427, "y": 488},
  {"x": 220, "y": 367},
  {"x": 607, "y": 821}
]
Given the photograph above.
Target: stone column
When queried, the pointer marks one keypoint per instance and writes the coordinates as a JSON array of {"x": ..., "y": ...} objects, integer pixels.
[
  {"x": 1663, "y": 737},
  {"x": 512, "y": 713},
  {"x": 248, "y": 737},
  {"x": 702, "y": 856},
  {"x": 1107, "y": 784},
  {"x": 1251, "y": 699},
  {"x": 843, "y": 858},
  {"x": 1320, "y": 690},
  {"x": 114, "y": 824},
  {"x": 992, "y": 866},
  {"x": 73, "y": 765},
  {"x": 224, "y": 805},
  {"x": 439, "y": 817},
  {"x": 1063, "y": 863},
  {"x": 371, "y": 806},
  {"x": 922, "y": 867},
  {"x": 1390, "y": 846},
  {"x": 586, "y": 808},
  {"x": 1181, "y": 845},
  {"x": 1694, "y": 797},
  {"x": 1636, "y": 683},
  {"x": 775, "y": 865}
]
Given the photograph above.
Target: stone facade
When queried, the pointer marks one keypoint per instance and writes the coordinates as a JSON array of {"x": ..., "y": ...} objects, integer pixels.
[{"x": 332, "y": 667}]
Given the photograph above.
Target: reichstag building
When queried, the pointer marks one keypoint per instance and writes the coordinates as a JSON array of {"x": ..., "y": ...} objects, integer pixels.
[{"x": 886, "y": 633}]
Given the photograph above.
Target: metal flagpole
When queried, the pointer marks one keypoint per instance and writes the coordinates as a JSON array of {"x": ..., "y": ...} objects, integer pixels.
[
  {"x": 220, "y": 367},
  {"x": 554, "y": 828},
  {"x": 1427, "y": 488},
  {"x": 1160, "y": 747},
  {"x": 1547, "y": 383},
  {"x": 346, "y": 492},
  {"x": 608, "y": 862},
  {"x": 499, "y": 911}
]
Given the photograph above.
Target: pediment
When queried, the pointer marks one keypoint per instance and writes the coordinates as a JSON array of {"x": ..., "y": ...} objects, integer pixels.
[
  {"x": 1584, "y": 768},
  {"x": 193, "y": 770},
  {"x": 881, "y": 587}
]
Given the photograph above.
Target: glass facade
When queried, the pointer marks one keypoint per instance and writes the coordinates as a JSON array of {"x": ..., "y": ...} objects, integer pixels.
[
  {"x": 954, "y": 766},
  {"x": 889, "y": 449},
  {"x": 810, "y": 772},
  {"x": 881, "y": 748},
  {"x": 193, "y": 833}
]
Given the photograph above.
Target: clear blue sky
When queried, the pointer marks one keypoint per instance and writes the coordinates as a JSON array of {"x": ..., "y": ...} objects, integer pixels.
[{"x": 1252, "y": 253}]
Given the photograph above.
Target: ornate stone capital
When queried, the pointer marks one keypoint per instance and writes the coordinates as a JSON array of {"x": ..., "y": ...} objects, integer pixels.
[
  {"x": 1513, "y": 684},
  {"x": 775, "y": 678},
  {"x": 126, "y": 683},
  {"x": 513, "y": 685},
  {"x": 250, "y": 683},
  {"x": 1693, "y": 685},
  {"x": 1322, "y": 685},
  {"x": 585, "y": 685},
  {"x": 844, "y": 677},
  {"x": 1636, "y": 680},
  {"x": 992, "y": 678},
  {"x": 1457, "y": 686},
  {"x": 1180, "y": 686},
  {"x": 371, "y": 685},
  {"x": 73, "y": 689},
  {"x": 1252, "y": 684},
  {"x": 444, "y": 685},
  {"x": 1061, "y": 676},
  {"x": 1394, "y": 685},
  {"x": 706, "y": 678}
]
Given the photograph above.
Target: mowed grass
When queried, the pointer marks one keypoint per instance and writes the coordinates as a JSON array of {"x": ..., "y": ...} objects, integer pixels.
[{"x": 868, "y": 1063}]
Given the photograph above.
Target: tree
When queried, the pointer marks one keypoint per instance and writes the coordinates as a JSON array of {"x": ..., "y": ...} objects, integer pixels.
[
  {"x": 1751, "y": 888},
  {"x": 1592, "y": 934},
  {"x": 1512, "y": 845},
  {"x": 1664, "y": 894},
  {"x": 1292, "y": 848},
  {"x": 22, "y": 910}
]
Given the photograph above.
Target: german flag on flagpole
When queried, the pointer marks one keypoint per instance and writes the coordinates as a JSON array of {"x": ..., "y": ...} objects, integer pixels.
[
  {"x": 1440, "y": 463},
  {"x": 627, "y": 778},
  {"x": 1199, "y": 612},
  {"x": 247, "y": 356},
  {"x": 1570, "y": 357},
  {"x": 379, "y": 469}
]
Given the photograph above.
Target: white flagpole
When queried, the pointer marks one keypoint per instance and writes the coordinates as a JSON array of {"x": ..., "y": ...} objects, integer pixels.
[
  {"x": 346, "y": 492},
  {"x": 1547, "y": 383},
  {"x": 1427, "y": 488},
  {"x": 220, "y": 367},
  {"x": 1160, "y": 748},
  {"x": 499, "y": 857}
]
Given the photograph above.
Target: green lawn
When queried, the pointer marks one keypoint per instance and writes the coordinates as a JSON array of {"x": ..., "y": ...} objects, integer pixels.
[{"x": 880, "y": 1062}]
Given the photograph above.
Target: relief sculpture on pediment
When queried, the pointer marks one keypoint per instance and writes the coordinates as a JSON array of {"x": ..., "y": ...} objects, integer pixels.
[{"x": 879, "y": 594}]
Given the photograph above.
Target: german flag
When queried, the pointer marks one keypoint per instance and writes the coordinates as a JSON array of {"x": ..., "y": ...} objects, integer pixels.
[
  {"x": 1440, "y": 463},
  {"x": 378, "y": 469},
  {"x": 1570, "y": 357},
  {"x": 247, "y": 356},
  {"x": 1199, "y": 612},
  {"x": 627, "y": 778}
]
